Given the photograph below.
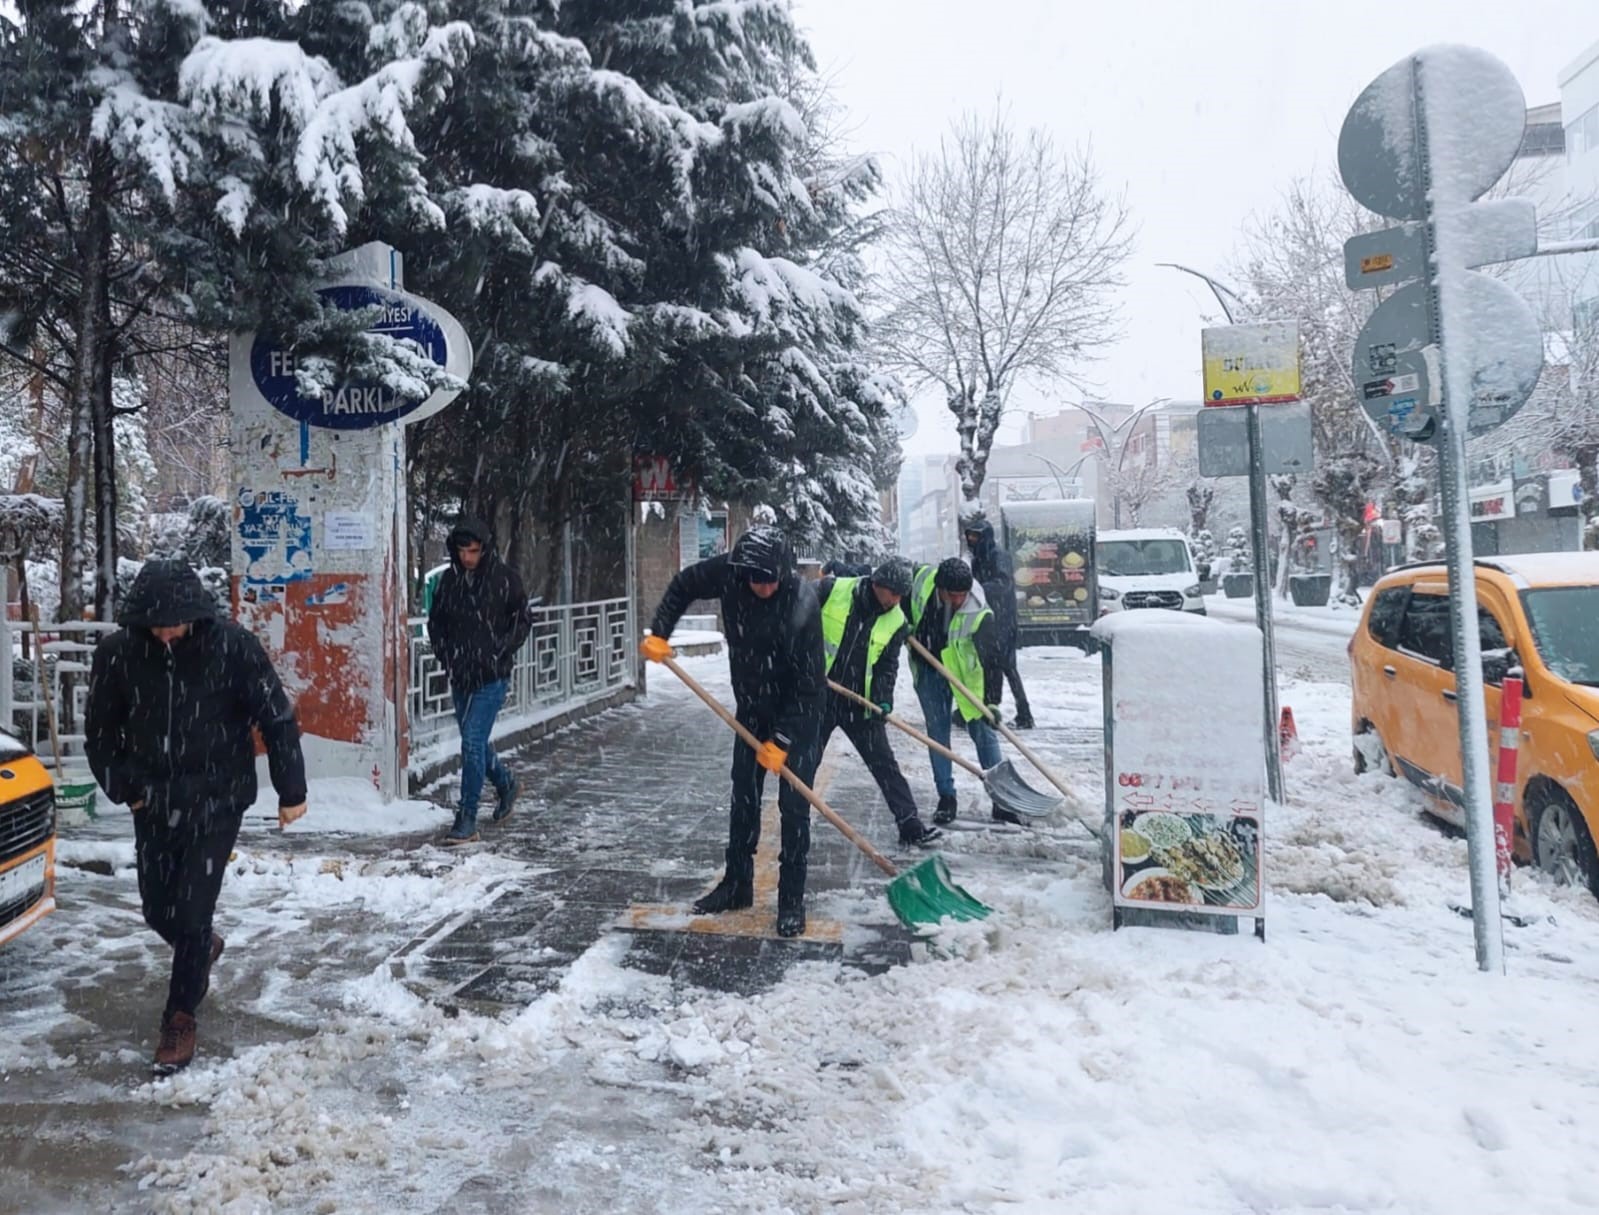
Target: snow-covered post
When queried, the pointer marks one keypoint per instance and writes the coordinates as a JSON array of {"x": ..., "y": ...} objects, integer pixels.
[
  {"x": 319, "y": 537},
  {"x": 1455, "y": 352}
]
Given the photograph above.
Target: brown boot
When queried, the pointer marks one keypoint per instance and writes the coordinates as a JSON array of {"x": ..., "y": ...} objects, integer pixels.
[
  {"x": 216, "y": 952},
  {"x": 176, "y": 1050}
]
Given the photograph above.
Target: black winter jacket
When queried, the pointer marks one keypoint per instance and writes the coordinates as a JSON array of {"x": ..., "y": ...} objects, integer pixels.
[
  {"x": 849, "y": 667},
  {"x": 774, "y": 646},
  {"x": 478, "y": 620},
  {"x": 170, "y": 726},
  {"x": 992, "y": 566}
]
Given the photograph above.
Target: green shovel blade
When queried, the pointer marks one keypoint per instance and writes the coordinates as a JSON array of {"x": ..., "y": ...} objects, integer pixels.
[{"x": 926, "y": 894}]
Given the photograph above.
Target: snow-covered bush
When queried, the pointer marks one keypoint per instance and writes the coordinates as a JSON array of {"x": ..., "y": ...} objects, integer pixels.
[
  {"x": 208, "y": 541},
  {"x": 1239, "y": 558}
]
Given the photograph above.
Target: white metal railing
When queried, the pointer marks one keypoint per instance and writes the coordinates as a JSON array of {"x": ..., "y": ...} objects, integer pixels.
[
  {"x": 575, "y": 654},
  {"x": 62, "y": 653}
]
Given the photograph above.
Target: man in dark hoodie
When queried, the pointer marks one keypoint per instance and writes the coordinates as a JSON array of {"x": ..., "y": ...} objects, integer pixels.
[
  {"x": 863, "y": 632},
  {"x": 774, "y": 646},
  {"x": 993, "y": 568},
  {"x": 478, "y": 621},
  {"x": 174, "y": 696}
]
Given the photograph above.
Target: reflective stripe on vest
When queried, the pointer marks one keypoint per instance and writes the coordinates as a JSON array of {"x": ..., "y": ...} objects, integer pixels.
[
  {"x": 921, "y": 592},
  {"x": 835, "y": 619},
  {"x": 960, "y": 656}
]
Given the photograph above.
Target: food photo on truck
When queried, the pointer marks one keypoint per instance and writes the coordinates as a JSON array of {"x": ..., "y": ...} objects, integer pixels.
[{"x": 1051, "y": 545}]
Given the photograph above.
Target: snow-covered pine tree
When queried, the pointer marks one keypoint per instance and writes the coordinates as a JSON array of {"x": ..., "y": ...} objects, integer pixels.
[
  {"x": 303, "y": 159},
  {"x": 630, "y": 230}
]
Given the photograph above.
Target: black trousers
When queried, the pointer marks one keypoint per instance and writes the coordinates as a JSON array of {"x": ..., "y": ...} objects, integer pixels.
[
  {"x": 744, "y": 813},
  {"x": 870, "y": 737},
  {"x": 1013, "y": 676},
  {"x": 181, "y": 856}
]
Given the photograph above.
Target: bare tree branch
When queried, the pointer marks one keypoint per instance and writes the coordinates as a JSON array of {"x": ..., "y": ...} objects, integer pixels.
[{"x": 1005, "y": 256}]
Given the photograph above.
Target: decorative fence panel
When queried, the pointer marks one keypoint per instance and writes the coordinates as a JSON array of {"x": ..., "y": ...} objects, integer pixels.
[{"x": 576, "y": 653}]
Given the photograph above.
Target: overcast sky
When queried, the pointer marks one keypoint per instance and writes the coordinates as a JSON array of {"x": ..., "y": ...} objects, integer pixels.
[{"x": 1201, "y": 110}]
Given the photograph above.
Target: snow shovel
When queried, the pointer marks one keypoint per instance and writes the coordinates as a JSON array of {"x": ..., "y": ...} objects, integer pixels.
[
  {"x": 1002, "y": 782},
  {"x": 1071, "y": 796},
  {"x": 924, "y": 894}
]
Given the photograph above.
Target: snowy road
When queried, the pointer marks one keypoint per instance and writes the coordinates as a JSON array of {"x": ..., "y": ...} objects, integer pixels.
[
  {"x": 1309, "y": 648},
  {"x": 1036, "y": 1062}
]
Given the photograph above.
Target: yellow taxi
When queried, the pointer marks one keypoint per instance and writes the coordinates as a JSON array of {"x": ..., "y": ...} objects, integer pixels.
[
  {"x": 1540, "y": 612},
  {"x": 27, "y": 839}
]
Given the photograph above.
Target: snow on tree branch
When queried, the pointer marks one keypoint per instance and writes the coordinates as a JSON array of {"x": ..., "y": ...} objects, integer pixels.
[{"x": 1006, "y": 256}]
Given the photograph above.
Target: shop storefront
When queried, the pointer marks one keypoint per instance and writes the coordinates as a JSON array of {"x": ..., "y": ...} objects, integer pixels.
[{"x": 1536, "y": 514}]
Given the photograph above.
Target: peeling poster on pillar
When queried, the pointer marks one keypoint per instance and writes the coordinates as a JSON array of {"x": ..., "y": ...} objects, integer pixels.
[{"x": 275, "y": 537}]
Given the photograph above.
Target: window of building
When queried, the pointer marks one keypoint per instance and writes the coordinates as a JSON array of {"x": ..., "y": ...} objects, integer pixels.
[
  {"x": 1543, "y": 139},
  {"x": 1583, "y": 133}
]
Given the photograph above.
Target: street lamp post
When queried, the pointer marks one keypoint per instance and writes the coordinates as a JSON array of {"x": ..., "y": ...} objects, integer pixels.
[{"x": 1111, "y": 436}]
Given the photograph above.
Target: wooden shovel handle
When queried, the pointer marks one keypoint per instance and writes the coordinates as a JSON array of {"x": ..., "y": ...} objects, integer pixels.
[
  {"x": 799, "y": 786},
  {"x": 1070, "y": 793},
  {"x": 909, "y": 729}
]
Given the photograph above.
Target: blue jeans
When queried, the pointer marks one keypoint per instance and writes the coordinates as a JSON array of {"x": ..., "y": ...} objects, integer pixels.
[
  {"x": 474, "y": 714},
  {"x": 938, "y": 710}
]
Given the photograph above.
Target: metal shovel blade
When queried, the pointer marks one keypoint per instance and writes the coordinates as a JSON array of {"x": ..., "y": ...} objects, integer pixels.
[
  {"x": 1010, "y": 792},
  {"x": 927, "y": 894}
]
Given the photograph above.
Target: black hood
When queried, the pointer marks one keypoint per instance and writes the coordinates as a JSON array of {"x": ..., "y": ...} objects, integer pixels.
[
  {"x": 166, "y": 593},
  {"x": 765, "y": 551},
  {"x": 467, "y": 528},
  {"x": 985, "y": 534}
]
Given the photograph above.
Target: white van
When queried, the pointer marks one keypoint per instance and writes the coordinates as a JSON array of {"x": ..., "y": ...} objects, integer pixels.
[{"x": 1148, "y": 567}]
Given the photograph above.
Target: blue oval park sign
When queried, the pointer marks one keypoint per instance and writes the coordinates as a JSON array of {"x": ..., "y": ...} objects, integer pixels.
[{"x": 356, "y": 405}]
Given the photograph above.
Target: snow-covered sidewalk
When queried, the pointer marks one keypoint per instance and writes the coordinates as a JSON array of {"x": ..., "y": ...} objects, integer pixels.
[{"x": 1036, "y": 1062}]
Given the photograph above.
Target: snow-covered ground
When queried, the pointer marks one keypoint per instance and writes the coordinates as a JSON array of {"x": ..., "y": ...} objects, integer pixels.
[
  {"x": 1336, "y": 620},
  {"x": 1356, "y": 1061}
]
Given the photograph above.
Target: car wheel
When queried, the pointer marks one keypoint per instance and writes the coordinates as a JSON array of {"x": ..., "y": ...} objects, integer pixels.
[
  {"x": 1562, "y": 846},
  {"x": 1370, "y": 754}
]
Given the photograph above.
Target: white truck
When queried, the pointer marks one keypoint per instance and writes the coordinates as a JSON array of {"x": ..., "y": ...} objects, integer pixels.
[{"x": 1147, "y": 568}]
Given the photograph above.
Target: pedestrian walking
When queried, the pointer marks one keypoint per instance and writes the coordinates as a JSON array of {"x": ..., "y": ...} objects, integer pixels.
[
  {"x": 773, "y": 627},
  {"x": 863, "y": 632},
  {"x": 174, "y": 695},
  {"x": 950, "y": 617},
  {"x": 993, "y": 568},
  {"x": 477, "y": 622}
]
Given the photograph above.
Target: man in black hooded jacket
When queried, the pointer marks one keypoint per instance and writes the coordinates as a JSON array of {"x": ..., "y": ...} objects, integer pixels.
[
  {"x": 478, "y": 621},
  {"x": 992, "y": 566},
  {"x": 174, "y": 696},
  {"x": 774, "y": 645}
]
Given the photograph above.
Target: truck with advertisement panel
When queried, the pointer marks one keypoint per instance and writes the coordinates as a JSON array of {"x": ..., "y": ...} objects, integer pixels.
[{"x": 1051, "y": 545}]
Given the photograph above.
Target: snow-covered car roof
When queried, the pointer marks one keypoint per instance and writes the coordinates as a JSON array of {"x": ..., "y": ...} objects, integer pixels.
[
  {"x": 1144, "y": 533},
  {"x": 1528, "y": 569},
  {"x": 1548, "y": 569}
]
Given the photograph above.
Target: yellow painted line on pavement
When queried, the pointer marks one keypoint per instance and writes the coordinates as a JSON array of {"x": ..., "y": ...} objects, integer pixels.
[{"x": 759, "y": 919}]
